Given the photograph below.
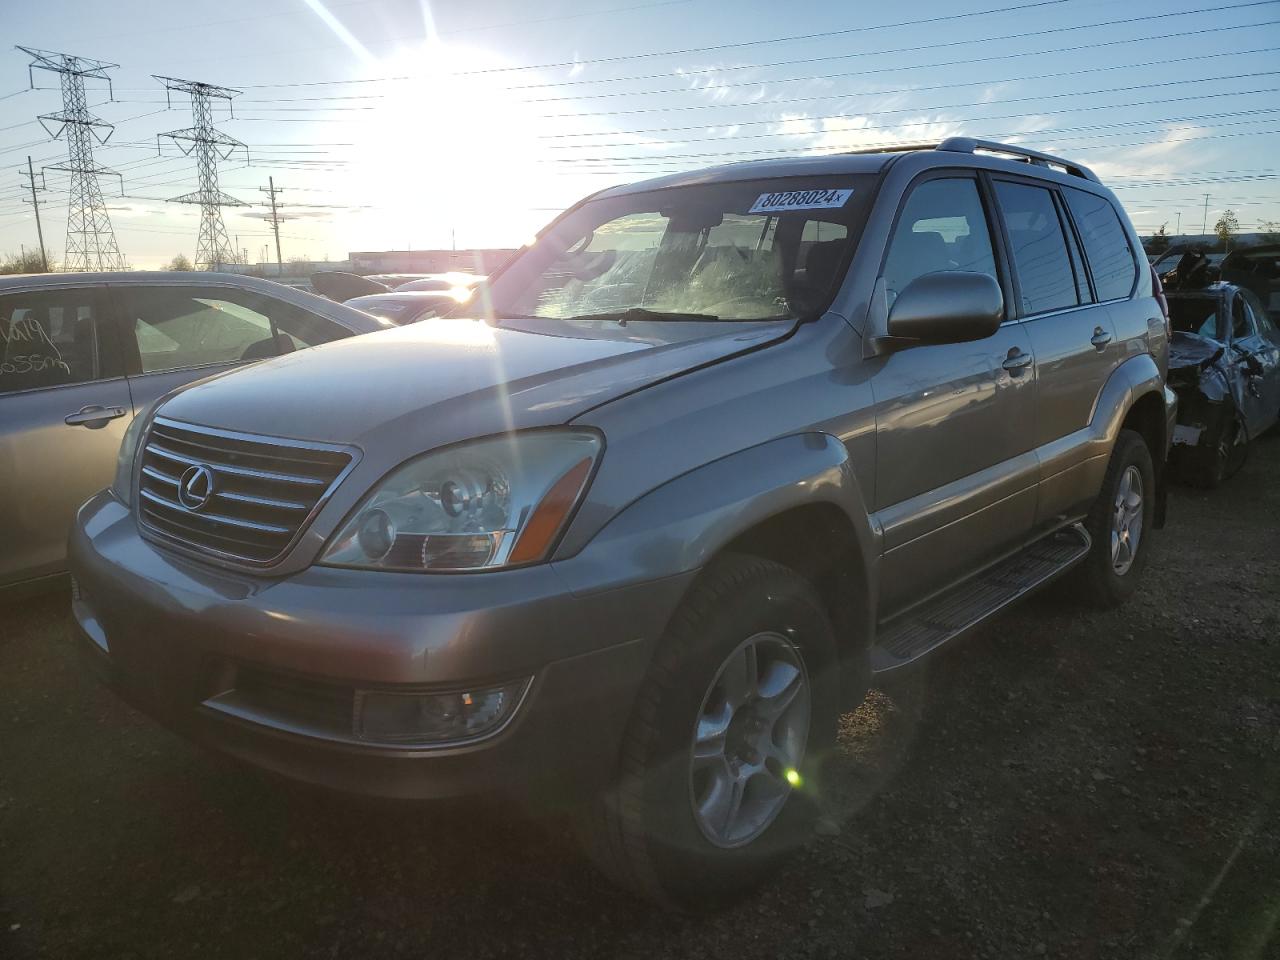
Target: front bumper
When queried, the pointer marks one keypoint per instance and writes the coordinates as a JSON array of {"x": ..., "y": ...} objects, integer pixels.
[{"x": 266, "y": 670}]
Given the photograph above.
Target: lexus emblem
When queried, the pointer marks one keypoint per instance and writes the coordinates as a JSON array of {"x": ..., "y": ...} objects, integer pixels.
[{"x": 195, "y": 487}]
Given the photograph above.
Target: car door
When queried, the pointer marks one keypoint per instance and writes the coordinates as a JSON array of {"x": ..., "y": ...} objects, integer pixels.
[
  {"x": 1253, "y": 354},
  {"x": 955, "y": 475},
  {"x": 1073, "y": 339},
  {"x": 173, "y": 334},
  {"x": 64, "y": 406},
  {"x": 1268, "y": 351}
]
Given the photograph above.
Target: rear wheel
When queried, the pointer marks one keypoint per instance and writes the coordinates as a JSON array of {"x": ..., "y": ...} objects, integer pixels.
[
  {"x": 729, "y": 728},
  {"x": 1119, "y": 523}
]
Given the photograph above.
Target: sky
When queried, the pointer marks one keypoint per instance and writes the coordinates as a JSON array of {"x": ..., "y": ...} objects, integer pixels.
[{"x": 410, "y": 124}]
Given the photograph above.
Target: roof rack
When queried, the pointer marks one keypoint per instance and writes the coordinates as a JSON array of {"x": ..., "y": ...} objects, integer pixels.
[
  {"x": 970, "y": 145},
  {"x": 894, "y": 148}
]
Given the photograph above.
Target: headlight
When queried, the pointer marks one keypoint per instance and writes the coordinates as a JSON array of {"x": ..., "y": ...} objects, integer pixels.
[
  {"x": 489, "y": 503},
  {"x": 122, "y": 485}
]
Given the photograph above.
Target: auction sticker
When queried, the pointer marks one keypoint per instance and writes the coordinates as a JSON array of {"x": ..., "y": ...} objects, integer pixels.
[{"x": 784, "y": 200}]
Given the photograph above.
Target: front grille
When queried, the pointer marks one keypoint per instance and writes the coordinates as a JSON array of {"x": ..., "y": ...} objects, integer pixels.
[{"x": 263, "y": 493}]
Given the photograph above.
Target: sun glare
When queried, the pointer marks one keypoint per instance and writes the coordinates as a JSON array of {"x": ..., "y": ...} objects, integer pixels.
[{"x": 452, "y": 157}]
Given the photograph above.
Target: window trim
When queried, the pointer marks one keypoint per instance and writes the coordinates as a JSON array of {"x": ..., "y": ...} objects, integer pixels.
[{"x": 995, "y": 229}]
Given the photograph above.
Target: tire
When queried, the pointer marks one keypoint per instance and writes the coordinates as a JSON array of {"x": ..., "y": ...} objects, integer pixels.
[
  {"x": 1108, "y": 576},
  {"x": 643, "y": 832},
  {"x": 1222, "y": 455}
]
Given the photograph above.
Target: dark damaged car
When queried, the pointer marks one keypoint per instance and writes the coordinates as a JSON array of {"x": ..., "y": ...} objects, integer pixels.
[{"x": 1224, "y": 364}]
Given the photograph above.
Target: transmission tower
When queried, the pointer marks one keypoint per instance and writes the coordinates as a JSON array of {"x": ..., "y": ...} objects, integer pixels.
[
  {"x": 91, "y": 243},
  {"x": 209, "y": 145}
]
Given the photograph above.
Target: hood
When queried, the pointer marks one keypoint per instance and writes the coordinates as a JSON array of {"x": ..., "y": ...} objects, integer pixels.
[
  {"x": 1192, "y": 350},
  {"x": 450, "y": 379}
]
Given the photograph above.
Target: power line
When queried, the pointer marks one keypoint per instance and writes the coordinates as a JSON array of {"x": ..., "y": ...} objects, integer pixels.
[{"x": 897, "y": 126}]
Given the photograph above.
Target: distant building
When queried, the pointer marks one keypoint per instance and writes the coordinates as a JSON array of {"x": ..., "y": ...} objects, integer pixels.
[{"x": 428, "y": 261}]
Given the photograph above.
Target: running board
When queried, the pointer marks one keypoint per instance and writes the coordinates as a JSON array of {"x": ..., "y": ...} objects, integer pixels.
[{"x": 955, "y": 611}]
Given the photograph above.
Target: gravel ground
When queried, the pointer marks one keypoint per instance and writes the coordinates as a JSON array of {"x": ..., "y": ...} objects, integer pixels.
[{"x": 1065, "y": 783}]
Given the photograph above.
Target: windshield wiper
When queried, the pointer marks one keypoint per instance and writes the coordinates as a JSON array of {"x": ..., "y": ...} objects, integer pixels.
[{"x": 639, "y": 314}]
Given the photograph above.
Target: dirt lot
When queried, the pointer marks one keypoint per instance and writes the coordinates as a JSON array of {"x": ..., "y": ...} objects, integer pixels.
[{"x": 1066, "y": 784}]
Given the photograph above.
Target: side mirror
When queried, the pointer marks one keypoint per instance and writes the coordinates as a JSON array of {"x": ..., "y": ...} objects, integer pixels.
[{"x": 947, "y": 307}]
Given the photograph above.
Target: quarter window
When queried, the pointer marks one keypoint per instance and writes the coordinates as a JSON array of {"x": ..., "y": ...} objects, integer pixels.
[
  {"x": 942, "y": 227},
  {"x": 1045, "y": 278},
  {"x": 51, "y": 338},
  {"x": 1105, "y": 244}
]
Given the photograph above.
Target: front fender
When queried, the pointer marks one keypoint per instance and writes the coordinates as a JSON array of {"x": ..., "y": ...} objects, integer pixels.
[{"x": 681, "y": 525}]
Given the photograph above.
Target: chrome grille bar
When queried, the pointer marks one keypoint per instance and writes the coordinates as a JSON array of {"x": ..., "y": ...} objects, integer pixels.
[{"x": 263, "y": 493}]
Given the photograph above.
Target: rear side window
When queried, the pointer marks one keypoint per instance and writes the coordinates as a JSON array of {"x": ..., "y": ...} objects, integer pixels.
[
  {"x": 52, "y": 338},
  {"x": 942, "y": 227},
  {"x": 1045, "y": 278},
  {"x": 1105, "y": 244}
]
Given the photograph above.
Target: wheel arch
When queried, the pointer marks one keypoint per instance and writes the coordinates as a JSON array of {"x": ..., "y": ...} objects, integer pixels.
[{"x": 794, "y": 500}]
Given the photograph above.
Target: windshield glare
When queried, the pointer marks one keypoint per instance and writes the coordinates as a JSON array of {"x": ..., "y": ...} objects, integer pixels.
[{"x": 693, "y": 250}]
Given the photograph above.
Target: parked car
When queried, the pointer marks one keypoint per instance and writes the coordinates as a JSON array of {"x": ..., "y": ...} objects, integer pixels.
[
  {"x": 1258, "y": 269},
  {"x": 457, "y": 283},
  {"x": 1224, "y": 364},
  {"x": 81, "y": 353},
  {"x": 401, "y": 307},
  {"x": 729, "y": 446}
]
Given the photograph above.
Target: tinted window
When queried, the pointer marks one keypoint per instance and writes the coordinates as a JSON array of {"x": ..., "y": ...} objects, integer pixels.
[
  {"x": 51, "y": 339},
  {"x": 942, "y": 227},
  {"x": 1045, "y": 278},
  {"x": 1241, "y": 327},
  {"x": 1259, "y": 311},
  {"x": 1105, "y": 244}
]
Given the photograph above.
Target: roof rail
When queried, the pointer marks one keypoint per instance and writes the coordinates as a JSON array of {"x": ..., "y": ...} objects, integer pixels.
[
  {"x": 970, "y": 145},
  {"x": 895, "y": 148}
]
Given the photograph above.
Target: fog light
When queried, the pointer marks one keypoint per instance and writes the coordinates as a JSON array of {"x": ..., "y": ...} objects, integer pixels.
[{"x": 394, "y": 717}]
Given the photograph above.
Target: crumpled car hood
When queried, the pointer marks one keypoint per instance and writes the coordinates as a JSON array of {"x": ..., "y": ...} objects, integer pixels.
[
  {"x": 450, "y": 379},
  {"x": 1192, "y": 350}
]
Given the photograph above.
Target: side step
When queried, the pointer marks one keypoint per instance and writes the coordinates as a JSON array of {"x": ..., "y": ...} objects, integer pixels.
[{"x": 955, "y": 611}]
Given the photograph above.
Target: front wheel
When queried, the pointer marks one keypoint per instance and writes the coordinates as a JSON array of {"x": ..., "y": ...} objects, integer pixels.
[
  {"x": 1119, "y": 523},
  {"x": 729, "y": 728}
]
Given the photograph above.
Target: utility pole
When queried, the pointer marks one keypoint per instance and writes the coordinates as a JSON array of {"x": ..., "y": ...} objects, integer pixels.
[
  {"x": 209, "y": 145},
  {"x": 1204, "y": 227},
  {"x": 91, "y": 243},
  {"x": 274, "y": 220},
  {"x": 30, "y": 174},
  {"x": 1179, "y": 223}
]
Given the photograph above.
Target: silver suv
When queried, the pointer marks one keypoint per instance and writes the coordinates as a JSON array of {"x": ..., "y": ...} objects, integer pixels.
[{"x": 709, "y": 457}]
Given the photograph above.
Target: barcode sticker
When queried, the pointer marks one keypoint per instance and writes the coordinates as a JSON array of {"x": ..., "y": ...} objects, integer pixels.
[{"x": 784, "y": 200}]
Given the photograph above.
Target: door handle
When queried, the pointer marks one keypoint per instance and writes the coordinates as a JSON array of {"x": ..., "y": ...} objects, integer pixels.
[
  {"x": 94, "y": 417},
  {"x": 1100, "y": 338},
  {"x": 1017, "y": 361}
]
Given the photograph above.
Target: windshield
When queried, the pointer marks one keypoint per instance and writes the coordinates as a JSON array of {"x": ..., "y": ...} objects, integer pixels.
[
  {"x": 755, "y": 250},
  {"x": 1197, "y": 315}
]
